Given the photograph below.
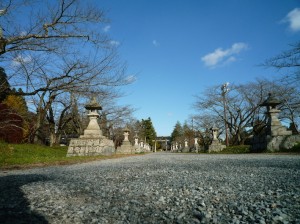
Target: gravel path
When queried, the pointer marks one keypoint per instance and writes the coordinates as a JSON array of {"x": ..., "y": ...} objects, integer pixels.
[{"x": 157, "y": 188}]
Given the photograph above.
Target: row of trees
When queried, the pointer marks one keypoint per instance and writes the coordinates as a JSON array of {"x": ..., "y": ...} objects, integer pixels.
[
  {"x": 244, "y": 116},
  {"x": 59, "y": 57}
]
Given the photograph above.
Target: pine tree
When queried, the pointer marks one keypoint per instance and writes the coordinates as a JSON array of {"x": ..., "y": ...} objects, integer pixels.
[
  {"x": 4, "y": 85},
  {"x": 177, "y": 133},
  {"x": 148, "y": 130}
]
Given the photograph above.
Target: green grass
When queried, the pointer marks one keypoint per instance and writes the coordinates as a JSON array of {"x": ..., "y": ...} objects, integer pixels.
[{"x": 17, "y": 156}]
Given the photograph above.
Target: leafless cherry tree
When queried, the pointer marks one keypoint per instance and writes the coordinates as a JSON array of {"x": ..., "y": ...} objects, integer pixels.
[
  {"x": 60, "y": 51},
  {"x": 243, "y": 106}
]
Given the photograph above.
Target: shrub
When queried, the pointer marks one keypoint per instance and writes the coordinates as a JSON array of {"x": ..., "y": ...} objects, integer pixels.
[
  {"x": 236, "y": 149},
  {"x": 295, "y": 148}
]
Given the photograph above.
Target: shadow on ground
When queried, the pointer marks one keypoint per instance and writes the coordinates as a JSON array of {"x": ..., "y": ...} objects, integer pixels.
[{"x": 14, "y": 207}]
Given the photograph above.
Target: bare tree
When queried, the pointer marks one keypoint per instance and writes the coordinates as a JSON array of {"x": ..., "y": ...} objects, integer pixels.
[
  {"x": 60, "y": 52},
  {"x": 243, "y": 106},
  {"x": 53, "y": 26},
  {"x": 288, "y": 62}
]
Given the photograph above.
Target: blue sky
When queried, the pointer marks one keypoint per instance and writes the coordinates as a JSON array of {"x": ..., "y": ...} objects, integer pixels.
[{"x": 177, "y": 48}]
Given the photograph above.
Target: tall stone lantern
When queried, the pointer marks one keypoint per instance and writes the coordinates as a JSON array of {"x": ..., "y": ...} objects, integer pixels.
[
  {"x": 136, "y": 140},
  {"x": 274, "y": 127},
  {"x": 126, "y": 147},
  {"x": 126, "y": 133},
  {"x": 277, "y": 136},
  {"x": 93, "y": 129},
  {"x": 215, "y": 145},
  {"x": 92, "y": 142}
]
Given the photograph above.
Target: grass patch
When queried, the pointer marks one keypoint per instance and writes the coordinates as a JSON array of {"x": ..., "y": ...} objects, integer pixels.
[{"x": 18, "y": 156}]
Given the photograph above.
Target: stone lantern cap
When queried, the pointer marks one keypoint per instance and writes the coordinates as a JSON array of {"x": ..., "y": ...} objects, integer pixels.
[
  {"x": 271, "y": 101},
  {"x": 214, "y": 128},
  {"x": 93, "y": 105},
  {"x": 126, "y": 129}
]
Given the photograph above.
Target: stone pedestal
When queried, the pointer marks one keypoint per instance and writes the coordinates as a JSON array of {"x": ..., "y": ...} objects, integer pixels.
[
  {"x": 92, "y": 142},
  {"x": 216, "y": 146},
  {"x": 274, "y": 126},
  {"x": 125, "y": 148},
  {"x": 90, "y": 147}
]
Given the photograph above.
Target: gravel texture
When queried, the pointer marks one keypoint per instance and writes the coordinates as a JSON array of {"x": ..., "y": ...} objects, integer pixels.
[{"x": 157, "y": 188}]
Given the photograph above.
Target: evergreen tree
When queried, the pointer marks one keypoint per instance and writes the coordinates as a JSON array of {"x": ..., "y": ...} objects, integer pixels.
[
  {"x": 177, "y": 133},
  {"x": 4, "y": 85},
  {"x": 148, "y": 130},
  {"x": 188, "y": 133}
]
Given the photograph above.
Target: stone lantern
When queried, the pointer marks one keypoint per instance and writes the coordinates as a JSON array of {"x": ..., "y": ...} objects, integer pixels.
[
  {"x": 274, "y": 127},
  {"x": 126, "y": 147},
  {"x": 271, "y": 102},
  {"x": 215, "y": 145},
  {"x": 93, "y": 129},
  {"x": 136, "y": 140},
  {"x": 277, "y": 137},
  {"x": 186, "y": 147},
  {"x": 126, "y": 134},
  {"x": 92, "y": 142},
  {"x": 215, "y": 132}
]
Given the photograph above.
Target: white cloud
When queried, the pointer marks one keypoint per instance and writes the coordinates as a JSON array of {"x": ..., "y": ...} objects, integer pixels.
[
  {"x": 155, "y": 43},
  {"x": 106, "y": 28},
  {"x": 293, "y": 18},
  {"x": 220, "y": 56},
  {"x": 114, "y": 43},
  {"x": 230, "y": 59}
]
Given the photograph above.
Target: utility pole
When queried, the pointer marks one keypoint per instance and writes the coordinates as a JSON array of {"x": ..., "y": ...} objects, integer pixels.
[{"x": 225, "y": 90}]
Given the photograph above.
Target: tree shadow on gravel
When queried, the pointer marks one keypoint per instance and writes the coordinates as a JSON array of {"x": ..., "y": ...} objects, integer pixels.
[{"x": 14, "y": 207}]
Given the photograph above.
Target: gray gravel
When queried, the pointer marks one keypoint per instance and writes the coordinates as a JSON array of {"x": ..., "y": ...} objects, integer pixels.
[{"x": 157, "y": 188}]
